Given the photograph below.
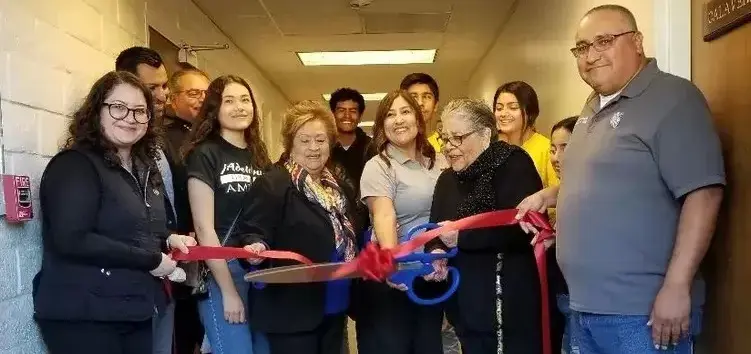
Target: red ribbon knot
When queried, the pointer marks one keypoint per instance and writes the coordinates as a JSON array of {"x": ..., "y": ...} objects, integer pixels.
[{"x": 376, "y": 263}]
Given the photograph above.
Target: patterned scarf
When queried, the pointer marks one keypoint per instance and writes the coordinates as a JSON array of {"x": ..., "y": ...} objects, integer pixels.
[{"x": 328, "y": 195}]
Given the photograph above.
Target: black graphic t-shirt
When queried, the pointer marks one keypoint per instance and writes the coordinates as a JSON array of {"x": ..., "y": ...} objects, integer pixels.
[{"x": 227, "y": 169}]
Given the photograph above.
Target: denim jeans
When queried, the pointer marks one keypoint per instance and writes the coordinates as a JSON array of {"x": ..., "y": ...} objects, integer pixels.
[
  {"x": 622, "y": 334},
  {"x": 562, "y": 300},
  {"x": 163, "y": 327},
  {"x": 226, "y": 338}
]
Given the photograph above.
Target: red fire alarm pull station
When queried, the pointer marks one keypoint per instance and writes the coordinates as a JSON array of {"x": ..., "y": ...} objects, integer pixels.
[{"x": 17, "y": 192}]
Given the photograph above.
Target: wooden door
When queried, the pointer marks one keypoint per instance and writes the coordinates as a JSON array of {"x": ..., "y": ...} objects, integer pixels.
[{"x": 722, "y": 70}]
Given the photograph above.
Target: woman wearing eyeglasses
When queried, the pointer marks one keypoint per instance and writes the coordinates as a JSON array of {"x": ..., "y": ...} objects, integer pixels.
[
  {"x": 496, "y": 308},
  {"x": 104, "y": 227}
]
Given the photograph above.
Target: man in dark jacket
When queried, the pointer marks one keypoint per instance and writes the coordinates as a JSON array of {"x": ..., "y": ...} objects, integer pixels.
[
  {"x": 353, "y": 148},
  {"x": 187, "y": 92},
  {"x": 180, "y": 320}
]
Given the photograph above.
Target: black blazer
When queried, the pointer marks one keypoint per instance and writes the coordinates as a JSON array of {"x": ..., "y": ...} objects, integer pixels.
[
  {"x": 102, "y": 231},
  {"x": 283, "y": 218}
]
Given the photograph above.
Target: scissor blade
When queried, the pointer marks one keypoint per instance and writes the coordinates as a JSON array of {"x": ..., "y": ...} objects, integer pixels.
[{"x": 299, "y": 273}]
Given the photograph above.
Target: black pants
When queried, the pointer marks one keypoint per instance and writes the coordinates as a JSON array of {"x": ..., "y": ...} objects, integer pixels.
[
  {"x": 188, "y": 327},
  {"x": 326, "y": 339},
  {"x": 479, "y": 343},
  {"x": 66, "y": 337},
  {"x": 389, "y": 322}
]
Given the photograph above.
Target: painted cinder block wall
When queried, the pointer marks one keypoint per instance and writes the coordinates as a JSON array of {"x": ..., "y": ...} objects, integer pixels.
[{"x": 51, "y": 51}]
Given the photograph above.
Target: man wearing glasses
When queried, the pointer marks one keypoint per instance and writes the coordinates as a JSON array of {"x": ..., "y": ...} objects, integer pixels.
[
  {"x": 638, "y": 198},
  {"x": 187, "y": 92}
]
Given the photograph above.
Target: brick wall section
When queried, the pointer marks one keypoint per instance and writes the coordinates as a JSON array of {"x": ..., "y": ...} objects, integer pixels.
[{"x": 51, "y": 51}]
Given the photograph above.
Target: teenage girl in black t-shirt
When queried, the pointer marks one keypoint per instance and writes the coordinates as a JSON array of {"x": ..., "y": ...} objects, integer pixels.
[{"x": 224, "y": 155}]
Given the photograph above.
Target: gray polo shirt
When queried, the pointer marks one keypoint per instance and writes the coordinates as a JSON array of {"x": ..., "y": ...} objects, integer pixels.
[
  {"x": 626, "y": 168},
  {"x": 408, "y": 183}
]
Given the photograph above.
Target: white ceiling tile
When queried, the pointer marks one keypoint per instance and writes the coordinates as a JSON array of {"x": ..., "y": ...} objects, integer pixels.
[{"x": 331, "y": 25}]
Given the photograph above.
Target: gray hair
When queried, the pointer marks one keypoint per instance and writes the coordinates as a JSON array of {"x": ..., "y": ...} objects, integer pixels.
[{"x": 476, "y": 112}]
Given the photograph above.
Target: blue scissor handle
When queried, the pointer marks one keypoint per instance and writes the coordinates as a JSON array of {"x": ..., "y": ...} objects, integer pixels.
[
  {"x": 257, "y": 285},
  {"x": 408, "y": 276}
]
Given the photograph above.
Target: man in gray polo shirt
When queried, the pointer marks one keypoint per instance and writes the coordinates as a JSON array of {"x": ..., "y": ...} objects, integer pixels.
[{"x": 641, "y": 187}]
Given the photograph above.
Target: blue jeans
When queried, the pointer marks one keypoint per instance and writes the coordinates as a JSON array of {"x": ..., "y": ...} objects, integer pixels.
[
  {"x": 621, "y": 334},
  {"x": 226, "y": 338},
  {"x": 163, "y": 326},
  {"x": 562, "y": 300}
]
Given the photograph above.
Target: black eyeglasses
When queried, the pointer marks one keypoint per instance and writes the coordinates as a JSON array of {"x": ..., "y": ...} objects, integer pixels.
[
  {"x": 120, "y": 111},
  {"x": 455, "y": 140},
  {"x": 600, "y": 44}
]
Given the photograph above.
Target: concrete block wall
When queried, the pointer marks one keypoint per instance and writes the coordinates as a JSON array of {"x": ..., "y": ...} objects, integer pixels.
[{"x": 51, "y": 51}]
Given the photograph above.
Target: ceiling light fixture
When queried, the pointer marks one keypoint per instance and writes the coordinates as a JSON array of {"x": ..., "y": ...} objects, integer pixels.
[
  {"x": 367, "y": 96},
  {"x": 371, "y": 57}
]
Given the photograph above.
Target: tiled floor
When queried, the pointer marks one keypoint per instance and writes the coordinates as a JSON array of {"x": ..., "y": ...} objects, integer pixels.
[{"x": 450, "y": 342}]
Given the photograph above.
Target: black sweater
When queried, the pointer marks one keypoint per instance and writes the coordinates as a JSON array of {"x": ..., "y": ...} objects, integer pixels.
[
  {"x": 472, "y": 308},
  {"x": 103, "y": 230}
]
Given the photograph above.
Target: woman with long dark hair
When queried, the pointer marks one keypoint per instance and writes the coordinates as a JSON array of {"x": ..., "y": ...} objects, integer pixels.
[
  {"x": 397, "y": 186},
  {"x": 104, "y": 227},
  {"x": 516, "y": 109},
  {"x": 223, "y": 156}
]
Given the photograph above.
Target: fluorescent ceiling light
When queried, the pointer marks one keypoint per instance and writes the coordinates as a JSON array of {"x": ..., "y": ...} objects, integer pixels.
[
  {"x": 371, "y": 57},
  {"x": 367, "y": 96},
  {"x": 369, "y": 123}
]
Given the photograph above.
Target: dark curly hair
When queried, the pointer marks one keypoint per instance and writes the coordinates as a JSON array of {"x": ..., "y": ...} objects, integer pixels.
[
  {"x": 347, "y": 94},
  {"x": 379, "y": 127},
  {"x": 85, "y": 129},
  {"x": 207, "y": 126}
]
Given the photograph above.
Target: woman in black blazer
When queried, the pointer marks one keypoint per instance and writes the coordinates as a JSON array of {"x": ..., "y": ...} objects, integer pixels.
[{"x": 303, "y": 205}]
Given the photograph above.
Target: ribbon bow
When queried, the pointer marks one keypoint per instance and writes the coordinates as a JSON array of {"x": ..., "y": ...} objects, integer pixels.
[{"x": 376, "y": 263}]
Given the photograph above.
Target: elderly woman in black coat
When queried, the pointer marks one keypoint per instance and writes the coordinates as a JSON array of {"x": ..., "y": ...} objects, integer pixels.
[{"x": 497, "y": 306}]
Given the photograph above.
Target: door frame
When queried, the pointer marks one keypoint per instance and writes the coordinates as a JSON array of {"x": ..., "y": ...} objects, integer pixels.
[{"x": 672, "y": 24}]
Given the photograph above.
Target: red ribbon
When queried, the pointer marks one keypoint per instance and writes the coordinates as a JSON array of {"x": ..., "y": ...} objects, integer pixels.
[
  {"x": 377, "y": 264},
  {"x": 203, "y": 253}
]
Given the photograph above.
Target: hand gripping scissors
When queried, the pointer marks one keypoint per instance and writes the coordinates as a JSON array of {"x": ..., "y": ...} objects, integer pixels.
[
  {"x": 412, "y": 266},
  {"x": 408, "y": 268}
]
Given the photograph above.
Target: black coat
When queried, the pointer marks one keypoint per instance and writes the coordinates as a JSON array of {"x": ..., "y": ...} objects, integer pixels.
[
  {"x": 283, "y": 218},
  {"x": 176, "y": 133},
  {"x": 473, "y": 308},
  {"x": 102, "y": 231}
]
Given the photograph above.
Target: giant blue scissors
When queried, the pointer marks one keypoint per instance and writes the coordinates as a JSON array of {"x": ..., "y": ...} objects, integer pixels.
[
  {"x": 408, "y": 268},
  {"x": 415, "y": 265}
]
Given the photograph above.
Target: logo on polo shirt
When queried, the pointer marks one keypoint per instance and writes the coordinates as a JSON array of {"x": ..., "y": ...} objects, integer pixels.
[
  {"x": 616, "y": 119},
  {"x": 582, "y": 120}
]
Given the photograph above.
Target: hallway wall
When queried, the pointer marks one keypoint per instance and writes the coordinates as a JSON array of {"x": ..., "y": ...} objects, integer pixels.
[
  {"x": 51, "y": 51},
  {"x": 721, "y": 70},
  {"x": 534, "y": 45}
]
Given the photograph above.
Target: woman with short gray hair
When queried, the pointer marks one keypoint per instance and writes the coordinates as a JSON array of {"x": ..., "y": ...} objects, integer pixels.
[{"x": 497, "y": 306}]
